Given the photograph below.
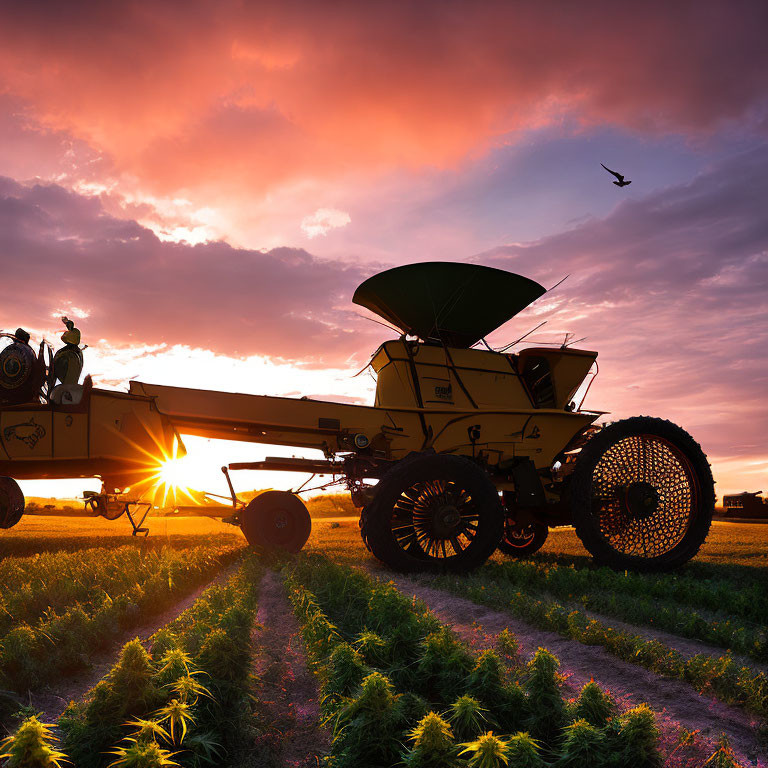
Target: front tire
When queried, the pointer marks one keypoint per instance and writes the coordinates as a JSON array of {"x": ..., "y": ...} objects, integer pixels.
[
  {"x": 434, "y": 512},
  {"x": 11, "y": 502},
  {"x": 642, "y": 495},
  {"x": 276, "y": 520},
  {"x": 521, "y": 540}
]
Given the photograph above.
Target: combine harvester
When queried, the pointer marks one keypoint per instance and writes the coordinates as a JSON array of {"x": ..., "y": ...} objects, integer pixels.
[{"x": 464, "y": 450}]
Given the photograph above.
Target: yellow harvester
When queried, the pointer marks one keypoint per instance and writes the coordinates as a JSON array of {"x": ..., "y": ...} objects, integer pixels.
[{"x": 464, "y": 450}]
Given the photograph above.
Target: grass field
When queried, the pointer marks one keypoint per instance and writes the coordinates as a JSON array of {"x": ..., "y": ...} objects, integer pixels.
[
  {"x": 729, "y": 544},
  {"x": 440, "y": 669}
]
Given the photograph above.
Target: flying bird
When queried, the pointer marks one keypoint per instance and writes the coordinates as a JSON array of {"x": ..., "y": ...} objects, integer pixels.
[{"x": 620, "y": 182}]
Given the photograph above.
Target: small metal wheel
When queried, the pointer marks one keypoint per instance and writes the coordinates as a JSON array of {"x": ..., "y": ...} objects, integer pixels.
[
  {"x": 521, "y": 540},
  {"x": 642, "y": 495},
  {"x": 434, "y": 512},
  {"x": 11, "y": 502},
  {"x": 112, "y": 509},
  {"x": 105, "y": 506},
  {"x": 276, "y": 520}
]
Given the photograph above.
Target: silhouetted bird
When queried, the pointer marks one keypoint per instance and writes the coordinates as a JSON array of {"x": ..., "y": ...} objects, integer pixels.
[{"x": 620, "y": 182}]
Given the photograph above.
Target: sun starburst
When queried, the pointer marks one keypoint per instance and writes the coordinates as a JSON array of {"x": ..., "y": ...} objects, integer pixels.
[{"x": 169, "y": 481}]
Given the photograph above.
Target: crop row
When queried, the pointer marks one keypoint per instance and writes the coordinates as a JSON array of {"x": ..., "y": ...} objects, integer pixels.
[
  {"x": 55, "y": 581},
  {"x": 92, "y": 597},
  {"x": 18, "y": 544},
  {"x": 183, "y": 702},
  {"x": 682, "y": 605},
  {"x": 721, "y": 676},
  {"x": 728, "y": 588},
  {"x": 399, "y": 687}
]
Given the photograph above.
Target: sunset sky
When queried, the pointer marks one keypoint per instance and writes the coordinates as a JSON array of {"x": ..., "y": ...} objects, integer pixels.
[{"x": 201, "y": 185}]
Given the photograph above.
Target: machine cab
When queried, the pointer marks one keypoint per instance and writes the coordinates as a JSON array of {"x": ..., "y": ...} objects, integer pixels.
[{"x": 411, "y": 374}]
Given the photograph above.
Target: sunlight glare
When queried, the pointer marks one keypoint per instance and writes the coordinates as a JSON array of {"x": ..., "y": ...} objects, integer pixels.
[
  {"x": 170, "y": 480},
  {"x": 173, "y": 472}
]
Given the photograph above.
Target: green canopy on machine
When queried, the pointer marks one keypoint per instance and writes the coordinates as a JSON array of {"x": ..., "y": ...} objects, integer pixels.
[{"x": 455, "y": 303}]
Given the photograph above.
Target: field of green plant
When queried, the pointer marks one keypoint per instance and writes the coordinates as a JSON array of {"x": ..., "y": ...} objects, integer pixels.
[
  {"x": 399, "y": 688},
  {"x": 181, "y": 701},
  {"x": 732, "y": 682},
  {"x": 59, "y": 608},
  {"x": 705, "y": 625},
  {"x": 398, "y": 682},
  {"x": 718, "y": 604}
]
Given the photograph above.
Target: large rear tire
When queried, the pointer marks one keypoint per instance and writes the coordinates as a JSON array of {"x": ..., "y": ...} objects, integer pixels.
[
  {"x": 276, "y": 520},
  {"x": 434, "y": 512},
  {"x": 642, "y": 495},
  {"x": 11, "y": 502}
]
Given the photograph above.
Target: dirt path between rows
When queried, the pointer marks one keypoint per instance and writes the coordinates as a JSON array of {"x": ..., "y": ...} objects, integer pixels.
[
  {"x": 53, "y": 701},
  {"x": 628, "y": 683},
  {"x": 286, "y": 692}
]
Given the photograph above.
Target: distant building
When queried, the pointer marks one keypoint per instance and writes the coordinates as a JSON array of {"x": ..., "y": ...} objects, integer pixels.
[{"x": 745, "y": 504}]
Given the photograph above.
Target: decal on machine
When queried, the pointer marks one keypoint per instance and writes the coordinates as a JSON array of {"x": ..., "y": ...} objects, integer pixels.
[
  {"x": 534, "y": 434},
  {"x": 29, "y": 432}
]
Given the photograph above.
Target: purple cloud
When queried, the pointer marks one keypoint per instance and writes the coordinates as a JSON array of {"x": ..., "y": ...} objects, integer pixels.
[{"x": 60, "y": 247}]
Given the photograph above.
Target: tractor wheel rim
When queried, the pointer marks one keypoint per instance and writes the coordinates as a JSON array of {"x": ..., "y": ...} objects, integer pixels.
[
  {"x": 519, "y": 535},
  {"x": 12, "y": 368},
  {"x": 435, "y": 519},
  {"x": 644, "y": 496},
  {"x": 445, "y": 520}
]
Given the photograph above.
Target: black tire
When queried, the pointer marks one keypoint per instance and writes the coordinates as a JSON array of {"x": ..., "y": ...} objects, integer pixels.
[
  {"x": 276, "y": 520},
  {"x": 434, "y": 512},
  {"x": 642, "y": 495},
  {"x": 523, "y": 540},
  {"x": 11, "y": 502},
  {"x": 22, "y": 374}
]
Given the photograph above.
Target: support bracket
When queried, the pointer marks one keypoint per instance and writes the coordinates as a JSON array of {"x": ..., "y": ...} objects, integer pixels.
[{"x": 141, "y": 511}]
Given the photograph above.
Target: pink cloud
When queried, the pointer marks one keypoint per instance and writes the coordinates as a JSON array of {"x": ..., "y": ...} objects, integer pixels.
[
  {"x": 237, "y": 97},
  {"x": 59, "y": 248},
  {"x": 670, "y": 288},
  {"x": 28, "y": 149}
]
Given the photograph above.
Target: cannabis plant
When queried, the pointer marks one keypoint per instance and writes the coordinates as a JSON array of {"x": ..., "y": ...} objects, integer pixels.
[
  {"x": 523, "y": 752},
  {"x": 636, "y": 740},
  {"x": 344, "y": 672},
  {"x": 467, "y": 718},
  {"x": 433, "y": 744},
  {"x": 142, "y": 755},
  {"x": 583, "y": 744},
  {"x": 546, "y": 706},
  {"x": 487, "y": 751},
  {"x": 32, "y": 746},
  {"x": 178, "y": 714},
  {"x": 594, "y": 705},
  {"x": 724, "y": 756}
]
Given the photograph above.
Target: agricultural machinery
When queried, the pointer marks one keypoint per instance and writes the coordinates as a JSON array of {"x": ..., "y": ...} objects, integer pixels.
[{"x": 465, "y": 449}]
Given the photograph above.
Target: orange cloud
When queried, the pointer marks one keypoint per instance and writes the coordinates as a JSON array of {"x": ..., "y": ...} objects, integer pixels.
[{"x": 230, "y": 96}]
